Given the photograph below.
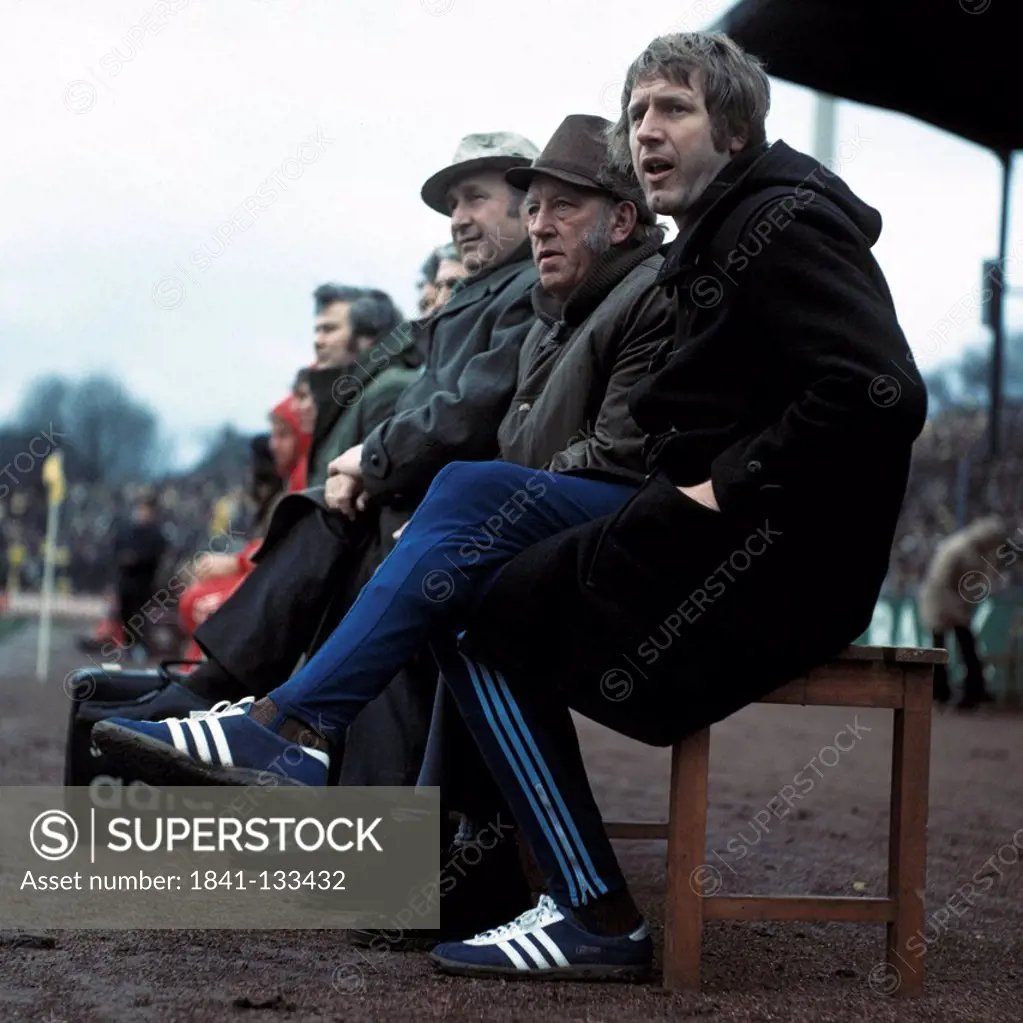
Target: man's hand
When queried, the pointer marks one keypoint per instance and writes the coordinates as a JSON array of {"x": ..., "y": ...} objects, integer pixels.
[
  {"x": 347, "y": 464},
  {"x": 702, "y": 493},
  {"x": 341, "y": 492}
]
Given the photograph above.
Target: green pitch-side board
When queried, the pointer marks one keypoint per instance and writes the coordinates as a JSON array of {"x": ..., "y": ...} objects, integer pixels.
[{"x": 997, "y": 623}]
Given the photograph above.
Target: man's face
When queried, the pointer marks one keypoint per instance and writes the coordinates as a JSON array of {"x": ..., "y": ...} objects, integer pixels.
[
  {"x": 569, "y": 228},
  {"x": 305, "y": 406},
  {"x": 333, "y": 336},
  {"x": 427, "y": 298},
  {"x": 673, "y": 152},
  {"x": 484, "y": 225},
  {"x": 449, "y": 273}
]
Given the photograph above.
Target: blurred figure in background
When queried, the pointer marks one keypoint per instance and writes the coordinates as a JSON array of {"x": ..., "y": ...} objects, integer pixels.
[
  {"x": 441, "y": 271},
  {"x": 305, "y": 403},
  {"x": 450, "y": 271},
  {"x": 425, "y": 285},
  {"x": 332, "y": 330},
  {"x": 139, "y": 546},
  {"x": 289, "y": 444},
  {"x": 959, "y": 577}
]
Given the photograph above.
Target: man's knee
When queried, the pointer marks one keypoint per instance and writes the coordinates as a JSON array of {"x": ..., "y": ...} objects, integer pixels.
[{"x": 471, "y": 477}]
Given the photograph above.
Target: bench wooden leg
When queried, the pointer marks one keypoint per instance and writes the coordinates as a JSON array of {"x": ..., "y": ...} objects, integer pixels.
[
  {"x": 687, "y": 841},
  {"x": 907, "y": 848}
]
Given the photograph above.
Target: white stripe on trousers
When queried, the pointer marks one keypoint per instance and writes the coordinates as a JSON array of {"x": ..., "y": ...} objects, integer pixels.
[{"x": 588, "y": 882}]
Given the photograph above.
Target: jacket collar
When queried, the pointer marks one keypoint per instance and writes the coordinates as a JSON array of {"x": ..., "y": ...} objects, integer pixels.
[
  {"x": 732, "y": 175},
  {"x": 609, "y": 270}
]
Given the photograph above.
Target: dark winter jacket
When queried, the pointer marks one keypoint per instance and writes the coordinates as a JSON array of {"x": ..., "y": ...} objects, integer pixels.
[
  {"x": 790, "y": 385},
  {"x": 452, "y": 412},
  {"x": 353, "y": 400},
  {"x": 570, "y": 411}
]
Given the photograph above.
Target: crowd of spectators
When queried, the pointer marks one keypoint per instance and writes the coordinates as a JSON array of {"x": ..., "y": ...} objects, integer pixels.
[
  {"x": 192, "y": 510},
  {"x": 953, "y": 483}
]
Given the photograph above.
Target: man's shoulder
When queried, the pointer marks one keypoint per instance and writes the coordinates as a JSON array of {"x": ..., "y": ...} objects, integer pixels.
[
  {"x": 512, "y": 282},
  {"x": 393, "y": 378},
  {"x": 511, "y": 279},
  {"x": 640, "y": 286}
]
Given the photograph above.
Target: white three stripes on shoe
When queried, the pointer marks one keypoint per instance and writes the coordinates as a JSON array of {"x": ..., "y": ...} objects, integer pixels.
[
  {"x": 521, "y": 935},
  {"x": 203, "y": 727},
  {"x": 201, "y": 730}
]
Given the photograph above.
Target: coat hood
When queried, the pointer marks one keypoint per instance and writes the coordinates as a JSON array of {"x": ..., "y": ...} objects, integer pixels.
[
  {"x": 294, "y": 472},
  {"x": 757, "y": 171},
  {"x": 780, "y": 164}
]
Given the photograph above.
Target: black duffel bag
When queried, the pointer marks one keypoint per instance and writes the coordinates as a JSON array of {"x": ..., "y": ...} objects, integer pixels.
[{"x": 96, "y": 694}]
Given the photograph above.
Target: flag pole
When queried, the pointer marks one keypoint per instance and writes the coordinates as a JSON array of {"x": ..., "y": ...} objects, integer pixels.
[
  {"x": 53, "y": 476},
  {"x": 46, "y": 605}
]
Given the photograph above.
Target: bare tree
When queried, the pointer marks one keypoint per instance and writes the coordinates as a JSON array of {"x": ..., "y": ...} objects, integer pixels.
[{"x": 109, "y": 434}]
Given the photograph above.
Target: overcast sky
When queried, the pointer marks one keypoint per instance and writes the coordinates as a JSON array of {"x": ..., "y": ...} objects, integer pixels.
[{"x": 134, "y": 130}]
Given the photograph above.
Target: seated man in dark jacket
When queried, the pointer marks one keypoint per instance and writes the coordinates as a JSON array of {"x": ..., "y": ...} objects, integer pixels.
[
  {"x": 315, "y": 560},
  {"x": 755, "y": 549}
]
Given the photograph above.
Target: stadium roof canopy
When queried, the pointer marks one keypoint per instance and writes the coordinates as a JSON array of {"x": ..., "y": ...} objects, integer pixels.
[{"x": 952, "y": 63}]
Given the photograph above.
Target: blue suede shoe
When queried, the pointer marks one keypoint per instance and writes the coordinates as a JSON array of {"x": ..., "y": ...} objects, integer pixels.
[
  {"x": 544, "y": 943},
  {"x": 221, "y": 746}
]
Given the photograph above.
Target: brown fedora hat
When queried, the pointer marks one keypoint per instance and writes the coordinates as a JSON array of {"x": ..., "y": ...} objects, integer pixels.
[{"x": 577, "y": 153}]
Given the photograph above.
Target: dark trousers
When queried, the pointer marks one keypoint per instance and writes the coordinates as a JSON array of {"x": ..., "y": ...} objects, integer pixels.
[
  {"x": 132, "y": 594},
  {"x": 973, "y": 684}
]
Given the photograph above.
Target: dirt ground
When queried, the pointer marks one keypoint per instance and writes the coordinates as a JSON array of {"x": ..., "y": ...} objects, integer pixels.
[{"x": 834, "y": 841}]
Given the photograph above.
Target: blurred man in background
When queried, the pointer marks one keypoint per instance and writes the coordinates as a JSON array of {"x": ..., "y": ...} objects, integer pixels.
[
  {"x": 380, "y": 361},
  {"x": 957, "y": 580},
  {"x": 332, "y": 330},
  {"x": 425, "y": 285},
  {"x": 450, "y": 272},
  {"x": 445, "y": 269},
  {"x": 139, "y": 547}
]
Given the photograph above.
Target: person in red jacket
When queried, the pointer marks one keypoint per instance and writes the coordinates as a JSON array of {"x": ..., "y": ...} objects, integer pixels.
[
  {"x": 219, "y": 575},
  {"x": 290, "y": 443}
]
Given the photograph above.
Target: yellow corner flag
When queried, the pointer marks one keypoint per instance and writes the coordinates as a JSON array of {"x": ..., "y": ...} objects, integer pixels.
[{"x": 53, "y": 476}]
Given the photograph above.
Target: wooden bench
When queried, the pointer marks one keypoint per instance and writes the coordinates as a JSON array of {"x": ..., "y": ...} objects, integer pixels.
[{"x": 896, "y": 678}]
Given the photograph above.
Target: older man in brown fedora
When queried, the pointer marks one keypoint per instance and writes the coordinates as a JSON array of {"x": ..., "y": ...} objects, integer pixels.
[{"x": 569, "y": 453}]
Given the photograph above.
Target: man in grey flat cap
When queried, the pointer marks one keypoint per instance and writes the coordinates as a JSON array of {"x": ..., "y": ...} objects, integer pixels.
[{"x": 324, "y": 544}]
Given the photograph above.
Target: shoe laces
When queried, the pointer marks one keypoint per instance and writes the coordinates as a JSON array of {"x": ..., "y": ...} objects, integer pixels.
[
  {"x": 542, "y": 913},
  {"x": 221, "y": 709}
]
